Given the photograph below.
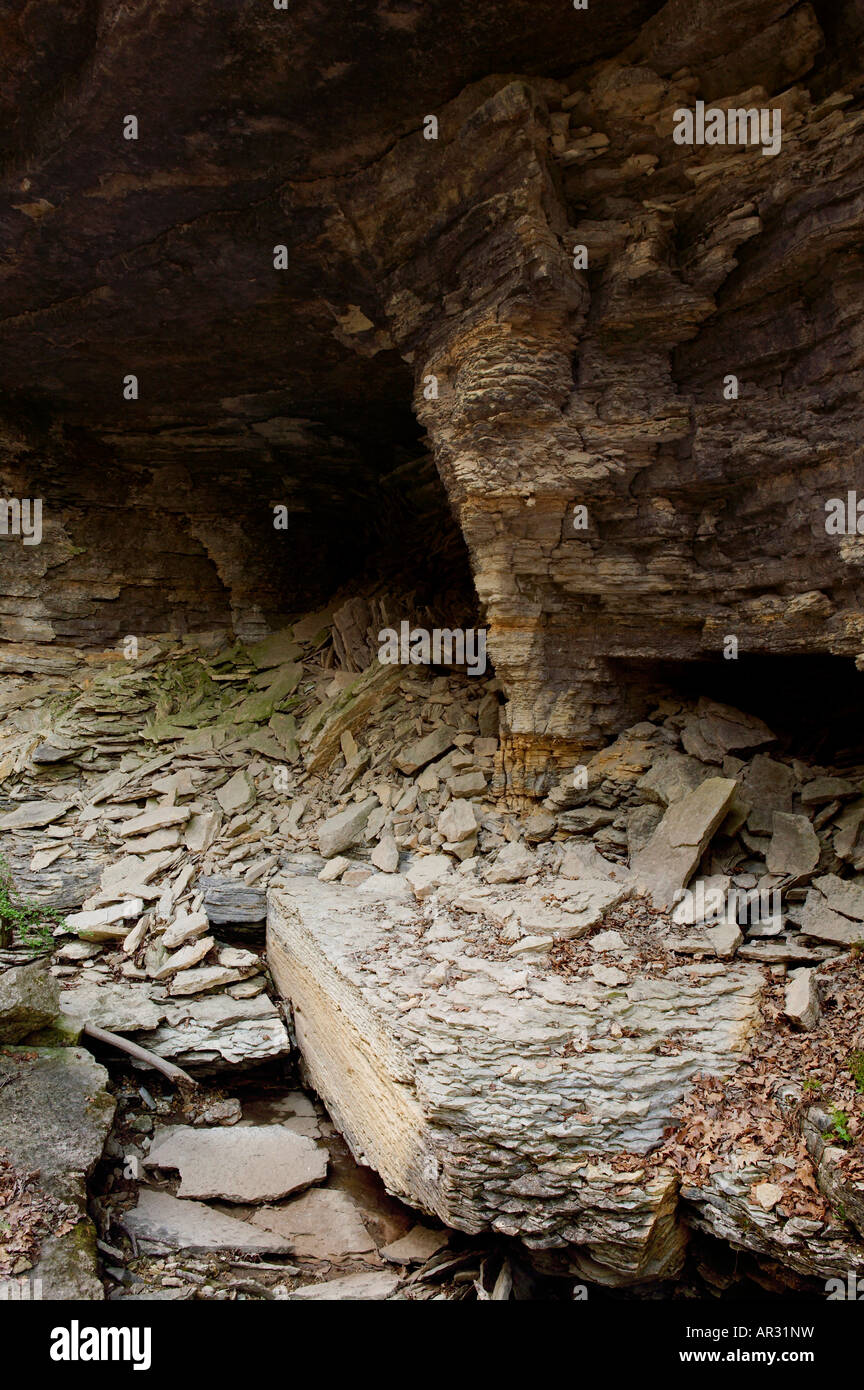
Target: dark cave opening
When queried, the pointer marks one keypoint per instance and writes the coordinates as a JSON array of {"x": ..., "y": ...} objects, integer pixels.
[
  {"x": 244, "y": 525},
  {"x": 812, "y": 702}
]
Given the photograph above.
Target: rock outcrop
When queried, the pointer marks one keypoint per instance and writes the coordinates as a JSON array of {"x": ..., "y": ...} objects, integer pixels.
[{"x": 563, "y": 290}]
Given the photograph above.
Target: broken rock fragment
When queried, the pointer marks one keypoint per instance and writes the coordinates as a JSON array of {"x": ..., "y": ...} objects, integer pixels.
[
  {"x": 160, "y": 1219},
  {"x": 345, "y": 829},
  {"x": 669, "y": 860},
  {"x": 794, "y": 847},
  {"x": 249, "y": 1163},
  {"x": 801, "y": 1005}
]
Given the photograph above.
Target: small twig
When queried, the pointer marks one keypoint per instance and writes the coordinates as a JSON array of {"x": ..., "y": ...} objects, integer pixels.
[{"x": 142, "y": 1054}]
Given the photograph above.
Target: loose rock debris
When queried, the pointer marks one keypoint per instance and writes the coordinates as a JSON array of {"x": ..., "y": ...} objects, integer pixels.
[{"x": 190, "y": 790}]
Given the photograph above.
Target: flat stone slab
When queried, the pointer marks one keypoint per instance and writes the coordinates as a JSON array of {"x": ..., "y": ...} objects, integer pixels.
[
  {"x": 249, "y": 1163},
  {"x": 416, "y": 1246},
  {"x": 482, "y": 1089},
  {"x": 160, "y": 1219},
  {"x": 819, "y": 920},
  {"x": 343, "y": 830},
  {"x": 378, "y": 1284},
  {"x": 55, "y": 1114},
  {"x": 119, "y": 1007},
  {"x": 794, "y": 847},
  {"x": 34, "y": 814},
  {"x": 324, "y": 1224},
  {"x": 218, "y": 1033},
  {"x": 670, "y": 857}
]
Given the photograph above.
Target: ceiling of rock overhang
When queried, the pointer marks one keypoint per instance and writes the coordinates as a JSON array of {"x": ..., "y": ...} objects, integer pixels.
[{"x": 155, "y": 256}]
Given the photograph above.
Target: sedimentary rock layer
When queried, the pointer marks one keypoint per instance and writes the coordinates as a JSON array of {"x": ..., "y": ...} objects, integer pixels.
[{"x": 496, "y": 1099}]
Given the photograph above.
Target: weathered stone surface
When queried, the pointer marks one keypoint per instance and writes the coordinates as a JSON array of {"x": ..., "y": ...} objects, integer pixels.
[
  {"x": 424, "y": 751},
  {"x": 324, "y": 1224},
  {"x": 513, "y": 863},
  {"x": 801, "y": 1005},
  {"x": 345, "y": 829},
  {"x": 842, "y": 895},
  {"x": 238, "y": 793},
  {"x": 376, "y": 1285},
  {"x": 416, "y": 1246},
  {"x": 219, "y": 1032},
  {"x": 29, "y": 1000},
  {"x": 250, "y": 1163},
  {"x": 32, "y": 814},
  {"x": 472, "y": 1132},
  {"x": 822, "y": 922},
  {"x": 120, "y": 1007},
  {"x": 794, "y": 847},
  {"x": 428, "y": 874},
  {"x": 157, "y": 819},
  {"x": 160, "y": 1219},
  {"x": 55, "y": 1114},
  {"x": 667, "y": 862},
  {"x": 232, "y": 900},
  {"x": 457, "y": 822}
]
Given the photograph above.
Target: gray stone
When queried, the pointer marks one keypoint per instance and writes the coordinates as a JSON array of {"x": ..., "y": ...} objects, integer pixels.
[
  {"x": 345, "y": 829},
  {"x": 668, "y": 861},
  {"x": 324, "y": 1224},
  {"x": 428, "y": 873},
  {"x": 513, "y": 862},
  {"x": 231, "y": 900},
  {"x": 252, "y": 1163},
  {"x": 189, "y": 955},
  {"x": 457, "y": 822},
  {"x": 29, "y": 1000},
  {"x": 794, "y": 847},
  {"x": 823, "y": 923},
  {"x": 722, "y": 942},
  {"x": 802, "y": 999},
  {"x": 847, "y": 835},
  {"x": 376, "y": 1285},
  {"x": 199, "y": 979},
  {"x": 425, "y": 750},
  {"x": 467, "y": 784},
  {"x": 237, "y": 794},
  {"x": 584, "y": 861},
  {"x": 219, "y": 1032},
  {"x": 160, "y": 1219},
  {"x": 642, "y": 821},
  {"x": 416, "y": 1246},
  {"x": 55, "y": 1115},
  {"x": 672, "y": 776},
  {"x": 187, "y": 926},
  {"x": 767, "y": 786},
  {"x": 32, "y": 815},
  {"x": 842, "y": 895},
  {"x": 717, "y": 729},
  {"x": 824, "y": 789},
  {"x": 156, "y": 819},
  {"x": 119, "y": 1007},
  {"x": 385, "y": 855},
  {"x": 458, "y": 1094}
]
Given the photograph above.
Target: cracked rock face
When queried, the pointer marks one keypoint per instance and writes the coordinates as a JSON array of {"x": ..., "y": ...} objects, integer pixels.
[
  {"x": 581, "y": 286},
  {"x": 495, "y": 1098}
]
